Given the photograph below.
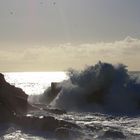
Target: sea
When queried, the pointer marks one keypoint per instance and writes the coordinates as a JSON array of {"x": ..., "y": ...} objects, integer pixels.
[{"x": 94, "y": 124}]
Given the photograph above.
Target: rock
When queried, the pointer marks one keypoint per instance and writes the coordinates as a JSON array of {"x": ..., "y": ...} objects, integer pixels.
[
  {"x": 66, "y": 124},
  {"x": 55, "y": 111},
  {"x": 114, "y": 134},
  {"x": 6, "y": 115},
  {"x": 36, "y": 123},
  {"x": 94, "y": 128},
  {"x": 49, "y": 109},
  {"x": 66, "y": 133},
  {"x": 62, "y": 133},
  {"x": 50, "y": 93},
  {"x": 13, "y": 100},
  {"x": 43, "y": 123},
  {"x": 14, "y": 106}
]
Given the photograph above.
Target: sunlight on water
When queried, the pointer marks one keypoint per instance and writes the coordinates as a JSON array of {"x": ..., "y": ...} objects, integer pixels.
[{"x": 34, "y": 82}]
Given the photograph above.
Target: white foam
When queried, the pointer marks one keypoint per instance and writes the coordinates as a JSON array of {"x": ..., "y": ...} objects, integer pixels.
[{"x": 121, "y": 92}]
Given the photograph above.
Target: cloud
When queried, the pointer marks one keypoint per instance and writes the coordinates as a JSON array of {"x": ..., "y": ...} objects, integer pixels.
[{"x": 63, "y": 56}]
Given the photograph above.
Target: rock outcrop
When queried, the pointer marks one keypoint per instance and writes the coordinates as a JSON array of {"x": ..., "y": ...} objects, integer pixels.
[
  {"x": 50, "y": 93},
  {"x": 114, "y": 134},
  {"x": 43, "y": 123},
  {"x": 13, "y": 100},
  {"x": 14, "y": 107}
]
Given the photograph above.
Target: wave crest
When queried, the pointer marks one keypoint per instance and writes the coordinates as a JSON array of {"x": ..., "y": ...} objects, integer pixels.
[{"x": 102, "y": 87}]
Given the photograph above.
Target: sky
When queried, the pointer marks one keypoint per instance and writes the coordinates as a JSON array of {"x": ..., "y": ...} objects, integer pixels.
[{"x": 55, "y": 35}]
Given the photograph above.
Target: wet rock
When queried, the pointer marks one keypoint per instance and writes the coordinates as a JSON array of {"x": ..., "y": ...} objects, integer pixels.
[
  {"x": 13, "y": 100},
  {"x": 6, "y": 115},
  {"x": 62, "y": 133},
  {"x": 43, "y": 123},
  {"x": 14, "y": 106},
  {"x": 51, "y": 110},
  {"x": 56, "y": 111},
  {"x": 66, "y": 124},
  {"x": 50, "y": 93},
  {"x": 94, "y": 128},
  {"x": 67, "y": 133},
  {"x": 114, "y": 134}
]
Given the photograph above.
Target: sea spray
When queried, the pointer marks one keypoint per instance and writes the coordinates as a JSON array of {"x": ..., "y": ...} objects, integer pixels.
[{"x": 102, "y": 87}]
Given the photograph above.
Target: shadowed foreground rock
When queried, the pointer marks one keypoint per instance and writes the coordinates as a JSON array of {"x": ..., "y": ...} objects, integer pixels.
[
  {"x": 114, "y": 134},
  {"x": 43, "y": 123},
  {"x": 13, "y": 100},
  {"x": 14, "y": 107}
]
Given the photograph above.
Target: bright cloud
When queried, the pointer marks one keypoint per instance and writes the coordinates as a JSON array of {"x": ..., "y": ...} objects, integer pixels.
[{"x": 63, "y": 56}]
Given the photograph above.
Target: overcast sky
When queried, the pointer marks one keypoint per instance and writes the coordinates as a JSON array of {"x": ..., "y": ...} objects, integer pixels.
[{"x": 41, "y": 35}]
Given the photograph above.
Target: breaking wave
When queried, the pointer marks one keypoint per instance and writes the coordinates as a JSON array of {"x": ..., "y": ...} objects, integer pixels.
[{"x": 102, "y": 87}]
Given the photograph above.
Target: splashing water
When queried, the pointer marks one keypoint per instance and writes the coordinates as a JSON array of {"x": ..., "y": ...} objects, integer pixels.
[
  {"x": 103, "y": 87},
  {"x": 100, "y": 88}
]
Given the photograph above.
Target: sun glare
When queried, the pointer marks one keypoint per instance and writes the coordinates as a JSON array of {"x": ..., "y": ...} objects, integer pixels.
[{"x": 39, "y": 80}]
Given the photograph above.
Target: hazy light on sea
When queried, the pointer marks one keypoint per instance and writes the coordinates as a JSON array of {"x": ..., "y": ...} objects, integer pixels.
[{"x": 34, "y": 82}]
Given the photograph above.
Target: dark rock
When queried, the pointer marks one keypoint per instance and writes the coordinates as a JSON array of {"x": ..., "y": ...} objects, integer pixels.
[
  {"x": 55, "y": 111},
  {"x": 36, "y": 123},
  {"x": 49, "y": 109},
  {"x": 62, "y": 133},
  {"x": 43, "y": 123},
  {"x": 6, "y": 115},
  {"x": 50, "y": 93},
  {"x": 114, "y": 134},
  {"x": 66, "y": 133},
  {"x": 94, "y": 128},
  {"x": 14, "y": 106},
  {"x": 13, "y": 100},
  {"x": 66, "y": 124}
]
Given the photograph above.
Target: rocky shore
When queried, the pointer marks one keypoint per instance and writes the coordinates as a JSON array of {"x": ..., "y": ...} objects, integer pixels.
[{"x": 14, "y": 108}]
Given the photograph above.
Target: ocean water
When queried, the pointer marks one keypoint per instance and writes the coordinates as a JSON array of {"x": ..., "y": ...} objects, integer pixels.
[
  {"x": 95, "y": 124},
  {"x": 34, "y": 82}
]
